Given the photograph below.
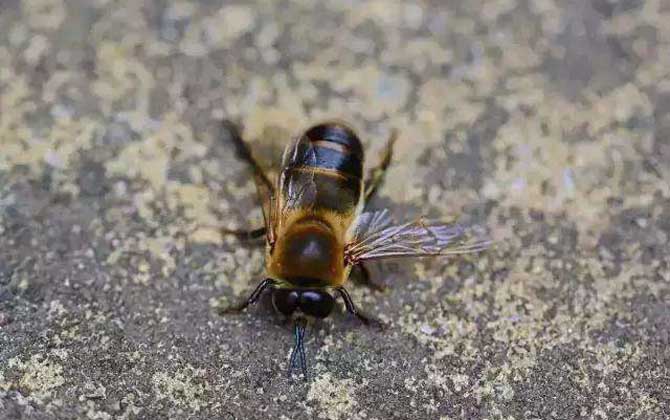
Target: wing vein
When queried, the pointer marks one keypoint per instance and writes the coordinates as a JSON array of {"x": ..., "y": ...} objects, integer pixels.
[{"x": 376, "y": 236}]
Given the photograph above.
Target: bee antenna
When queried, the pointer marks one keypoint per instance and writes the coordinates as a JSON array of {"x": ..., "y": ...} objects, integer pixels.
[{"x": 299, "y": 347}]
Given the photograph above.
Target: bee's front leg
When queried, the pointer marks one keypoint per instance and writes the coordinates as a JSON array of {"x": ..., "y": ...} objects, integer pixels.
[
  {"x": 253, "y": 298},
  {"x": 351, "y": 308}
]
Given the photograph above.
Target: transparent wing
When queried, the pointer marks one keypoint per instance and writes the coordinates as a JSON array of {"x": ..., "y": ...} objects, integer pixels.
[
  {"x": 297, "y": 186},
  {"x": 267, "y": 197},
  {"x": 376, "y": 236}
]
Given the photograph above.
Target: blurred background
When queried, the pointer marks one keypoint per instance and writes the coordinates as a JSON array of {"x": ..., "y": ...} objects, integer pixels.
[{"x": 544, "y": 120}]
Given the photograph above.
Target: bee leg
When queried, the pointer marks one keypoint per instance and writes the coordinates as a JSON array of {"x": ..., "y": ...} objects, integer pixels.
[
  {"x": 243, "y": 152},
  {"x": 253, "y": 298},
  {"x": 244, "y": 235},
  {"x": 351, "y": 308},
  {"x": 241, "y": 234},
  {"x": 376, "y": 174},
  {"x": 265, "y": 188},
  {"x": 366, "y": 279}
]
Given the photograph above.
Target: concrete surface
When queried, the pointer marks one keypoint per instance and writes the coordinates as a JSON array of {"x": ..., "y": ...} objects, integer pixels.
[{"x": 545, "y": 120}]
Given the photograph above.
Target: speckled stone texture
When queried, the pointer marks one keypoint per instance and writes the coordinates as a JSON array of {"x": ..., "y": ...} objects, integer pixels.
[{"x": 545, "y": 120}]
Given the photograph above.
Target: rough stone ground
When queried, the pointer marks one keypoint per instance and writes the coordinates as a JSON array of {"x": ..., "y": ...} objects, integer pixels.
[{"x": 545, "y": 120}]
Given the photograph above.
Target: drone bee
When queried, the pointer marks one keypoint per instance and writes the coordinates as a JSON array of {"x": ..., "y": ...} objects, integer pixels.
[{"x": 316, "y": 227}]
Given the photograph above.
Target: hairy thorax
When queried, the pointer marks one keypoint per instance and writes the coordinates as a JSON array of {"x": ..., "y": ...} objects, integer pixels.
[{"x": 308, "y": 254}]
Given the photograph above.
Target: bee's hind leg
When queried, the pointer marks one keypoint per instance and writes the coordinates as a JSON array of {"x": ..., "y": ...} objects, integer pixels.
[
  {"x": 351, "y": 308},
  {"x": 240, "y": 234},
  {"x": 263, "y": 183},
  {"x": 366, "y": 279},
  {"x": 376, "y": 174},
  {"x": 243, "y": 152},
  {"x": 244, "y": 235}
]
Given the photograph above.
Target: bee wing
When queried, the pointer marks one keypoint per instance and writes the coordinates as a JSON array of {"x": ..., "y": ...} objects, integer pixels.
[
  {"x": 266, "y": 194},
  {"x": 376, "y": 236},
  {"x": 297, "y": 189},
  {"x": 292, "y": 193}
]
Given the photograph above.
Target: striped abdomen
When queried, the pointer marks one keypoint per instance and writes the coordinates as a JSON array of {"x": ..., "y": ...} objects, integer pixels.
[{"x": 325, "y": 170}]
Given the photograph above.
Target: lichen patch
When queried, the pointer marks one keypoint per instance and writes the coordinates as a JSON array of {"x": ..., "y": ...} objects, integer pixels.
[
  {"x": 40, "y": 377},
  {"x": 335, "y": 397},
  {"x": 183, "y": 387}
]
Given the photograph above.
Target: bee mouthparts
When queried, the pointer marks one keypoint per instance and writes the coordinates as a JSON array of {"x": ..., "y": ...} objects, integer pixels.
[{"x": 299, "y": 347}]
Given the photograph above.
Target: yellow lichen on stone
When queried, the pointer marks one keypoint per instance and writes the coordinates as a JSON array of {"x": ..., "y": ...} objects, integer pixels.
[
  {"x": 240, "y": 270},
  {"x": 150, "y": 158},
  {"x": 122, "y": 76},
  {"x": 335, "y": 397},
  {"x": 217, "y": 31},
  {"x": 41, "y": 376},
  {"x": 183, "y": 387},
  {"x": 4, "y": 385},
  {"x": 534, "y": 158},
  {"x": 371, "y": 92},
  {"x": 19, "y": 147},
  {"x": 45, "y": 14}
]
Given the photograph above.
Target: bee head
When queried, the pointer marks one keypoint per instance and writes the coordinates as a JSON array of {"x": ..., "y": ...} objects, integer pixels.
[{"x": 314, "y": 302}]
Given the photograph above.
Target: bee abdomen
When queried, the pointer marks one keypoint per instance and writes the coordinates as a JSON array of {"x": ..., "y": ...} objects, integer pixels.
[
  {"x": 325, "y": 169},
  {"x": 336, "y": 147}
]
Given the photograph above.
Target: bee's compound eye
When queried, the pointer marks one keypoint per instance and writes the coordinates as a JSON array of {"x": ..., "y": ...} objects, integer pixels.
[
  {"x": 316, "y": 303},
  {"x": 285, "y": 300}
]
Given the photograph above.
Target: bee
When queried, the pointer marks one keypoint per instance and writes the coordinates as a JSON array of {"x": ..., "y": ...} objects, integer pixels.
[{"x": 317, "y": 227}]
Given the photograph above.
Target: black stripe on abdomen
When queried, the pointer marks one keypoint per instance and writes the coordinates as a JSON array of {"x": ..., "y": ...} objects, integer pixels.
[
  {"x": 321, "y": 155},
  {"x": 334, "y": 146},
  {"x": 325, "y": 170},
  {"x": 336, "y": 133},
  {"x": 326, "y": 158},
  {"x": 322, "y": 190}
]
